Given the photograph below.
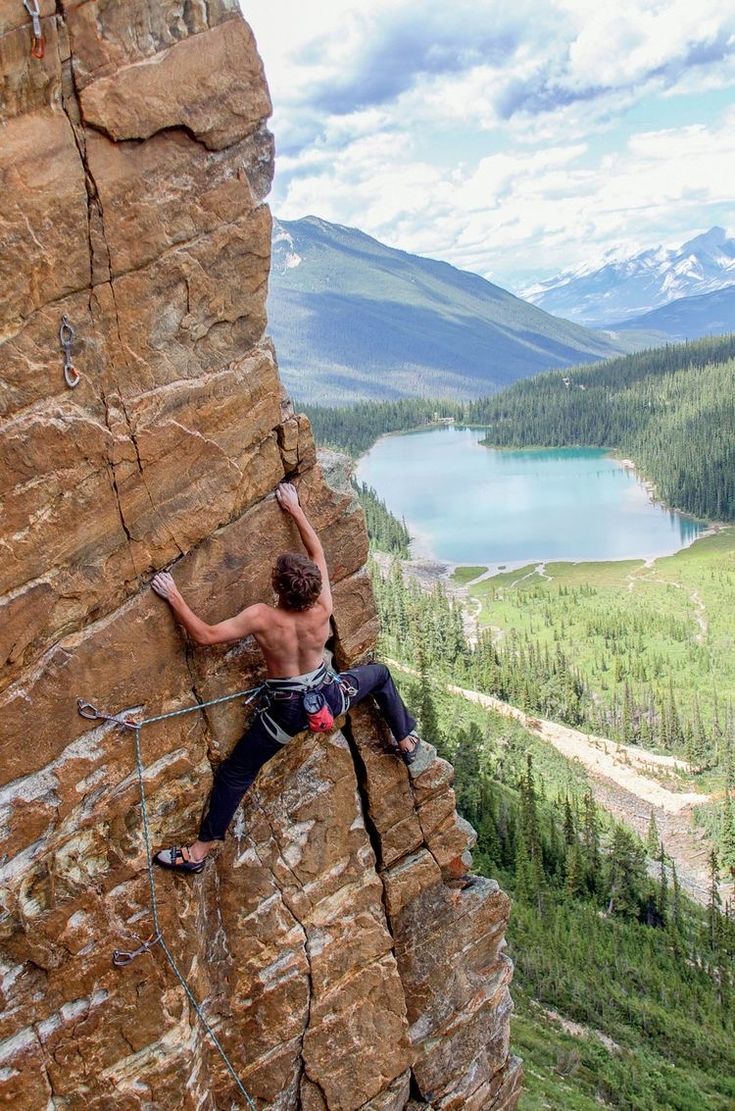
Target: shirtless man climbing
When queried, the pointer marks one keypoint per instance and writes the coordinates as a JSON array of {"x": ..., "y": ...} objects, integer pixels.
[{"x": 292, "y": 636}]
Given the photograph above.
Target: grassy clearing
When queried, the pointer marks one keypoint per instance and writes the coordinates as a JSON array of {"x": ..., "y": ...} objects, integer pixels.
[{"x": 464, "y": 575}]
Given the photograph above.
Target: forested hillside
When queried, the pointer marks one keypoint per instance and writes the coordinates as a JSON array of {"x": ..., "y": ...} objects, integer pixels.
[
  {"x": 672, "y": 410},
  {"x": 355, "y": 428}
]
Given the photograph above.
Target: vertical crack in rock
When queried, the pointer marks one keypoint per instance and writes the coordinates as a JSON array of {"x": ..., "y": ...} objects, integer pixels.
[
  {"x": 362, "y": 781},
  {"x": 373, "y": 836},
  {"x": 304, "y": 935},
  {"x": 71, "y": 105}
]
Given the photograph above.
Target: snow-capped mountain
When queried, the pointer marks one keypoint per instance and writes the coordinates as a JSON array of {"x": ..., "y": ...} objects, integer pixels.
[
  {"x": 283, "y": 250},
  {"x": 623, "y": 288}
]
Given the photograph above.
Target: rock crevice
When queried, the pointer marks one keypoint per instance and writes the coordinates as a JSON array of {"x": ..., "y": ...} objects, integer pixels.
[{"x": 335, "y": 946}]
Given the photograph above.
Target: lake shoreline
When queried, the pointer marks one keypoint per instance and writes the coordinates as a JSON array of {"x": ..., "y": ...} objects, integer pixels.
[
  {"x": 648, "y": 485},
  {"x": 503, "y": 510}
]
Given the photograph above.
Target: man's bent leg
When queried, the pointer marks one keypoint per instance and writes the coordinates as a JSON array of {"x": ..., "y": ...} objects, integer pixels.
[
  {"x": 377, "y": 680},
  {"x": 234, "y": 776}
]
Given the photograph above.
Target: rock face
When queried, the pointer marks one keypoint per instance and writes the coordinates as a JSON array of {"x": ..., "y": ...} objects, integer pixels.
[{"x": 339, "y": 957}]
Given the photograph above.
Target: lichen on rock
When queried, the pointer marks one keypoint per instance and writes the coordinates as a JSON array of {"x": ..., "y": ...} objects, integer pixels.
[{"x": 338, "y": 953}]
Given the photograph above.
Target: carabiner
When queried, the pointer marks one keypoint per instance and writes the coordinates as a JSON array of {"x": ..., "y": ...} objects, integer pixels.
[
  {"x": 66, "y": 339},
  {"x": 66, "y": 333},
  {"x": 121, "y": 958},
  {"x": 71, "y": 376},
  {"x": 87, "y": 710},
  {"x": 91, "y": 713}
]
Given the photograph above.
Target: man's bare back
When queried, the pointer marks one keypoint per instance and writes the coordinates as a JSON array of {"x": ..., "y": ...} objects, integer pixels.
[{"x": 292, "y": 643}]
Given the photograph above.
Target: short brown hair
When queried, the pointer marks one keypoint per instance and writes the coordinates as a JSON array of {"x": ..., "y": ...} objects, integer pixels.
[{"x": 297, "y": 580}]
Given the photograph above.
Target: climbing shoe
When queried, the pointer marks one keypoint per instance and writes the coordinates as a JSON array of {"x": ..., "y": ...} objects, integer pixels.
[
  {"x": 175, "y": 861},
  {"x": 409, "y": 755}
]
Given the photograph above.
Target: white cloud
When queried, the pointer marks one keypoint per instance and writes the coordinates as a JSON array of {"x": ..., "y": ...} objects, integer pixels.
[
  {"x": 496, "y": 136},
  {"x": 621, "y": 43}
]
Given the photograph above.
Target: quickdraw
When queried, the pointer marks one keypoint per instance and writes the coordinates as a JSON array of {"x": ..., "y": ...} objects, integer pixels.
[
  {"x": 38, "y": 47},
  {"x": 91, "y": 713},
  {"x": 66, "y": 339}
]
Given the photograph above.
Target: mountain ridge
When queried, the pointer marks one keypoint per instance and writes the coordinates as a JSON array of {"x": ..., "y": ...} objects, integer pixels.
[
  {"x": 704, "y": 314},
  {"x": 623, "y": 288},
  {"x": 352, "y": 315}
]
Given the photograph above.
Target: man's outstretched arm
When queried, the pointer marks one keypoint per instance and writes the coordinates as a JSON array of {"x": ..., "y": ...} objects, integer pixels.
[
  {"x": 288, "y": 499},
  {"x": 234, "y": 628}
]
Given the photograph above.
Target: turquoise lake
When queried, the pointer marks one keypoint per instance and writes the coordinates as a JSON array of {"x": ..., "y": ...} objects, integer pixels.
[{"x": 465, "y": 503}]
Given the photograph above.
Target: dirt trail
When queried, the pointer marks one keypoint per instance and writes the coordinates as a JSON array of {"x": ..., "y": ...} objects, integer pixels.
[
  {"x": 600, "y": 756},
  {"x": 618, "y": 784},
  {"x": 539, "y": 569},
  {"x": 700, "y": 612},
  {"x": 624, "y": 791}
]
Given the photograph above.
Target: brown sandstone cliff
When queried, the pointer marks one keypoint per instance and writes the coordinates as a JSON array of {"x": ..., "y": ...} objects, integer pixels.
[{"x": 339, "y": 960}]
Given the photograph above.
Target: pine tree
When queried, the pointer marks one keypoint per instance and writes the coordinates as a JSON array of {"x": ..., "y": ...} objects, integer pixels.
[
  {"x": 425, "y": 708},
  {"x": 653, "y": 838},
  {"x": 728, "y": 760},
  {"x": 625, "y": 874},
  {"x": 630, "y": 732},
  {"x": 676, "y": 916},
  {"x": 714, "y": 904},
  {"x": 488, "y": 841},
  {"x": 727, "y": 836},
  {"x": 575, "y": 882},
  {"x": 570, "y": 835},
  {"x": 468, "y": 775},
  {"x": 663, "y": 887},
  {"x": 591, "y": 842},
  {"x": 529, "y": 863},
  {"x": 697, "y": 748}
]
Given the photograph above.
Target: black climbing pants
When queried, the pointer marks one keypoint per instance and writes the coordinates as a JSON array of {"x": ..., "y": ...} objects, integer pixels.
[{"x": 235, "y": 774}]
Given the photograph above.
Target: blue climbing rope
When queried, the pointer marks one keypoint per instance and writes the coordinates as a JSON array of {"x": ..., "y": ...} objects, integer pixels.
[{"x": 120, "y": 958}]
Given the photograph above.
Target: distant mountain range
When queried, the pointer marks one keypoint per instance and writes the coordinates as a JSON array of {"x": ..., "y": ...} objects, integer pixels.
[
  {"x": 354, "y": 319},
  {"x": 710, "y": 314},
  {"x": 627, "y": 288}
]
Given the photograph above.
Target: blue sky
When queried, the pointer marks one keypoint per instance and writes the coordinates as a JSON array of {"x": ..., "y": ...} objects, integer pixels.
[{"x": 516, "y": 140}]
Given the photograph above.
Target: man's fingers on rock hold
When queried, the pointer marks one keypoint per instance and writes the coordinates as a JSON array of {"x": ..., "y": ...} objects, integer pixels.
[
  {"x": 286, "y": 495},
  {"x": 162, "y": 583}
]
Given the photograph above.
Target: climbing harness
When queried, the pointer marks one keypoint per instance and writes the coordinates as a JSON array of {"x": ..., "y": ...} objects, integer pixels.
[
  {"x": 319, "y": 715},
  {"x": 121, "y": 958},
  {"x": 66, "y": 339},
  {"x": 38, "y": 47}
]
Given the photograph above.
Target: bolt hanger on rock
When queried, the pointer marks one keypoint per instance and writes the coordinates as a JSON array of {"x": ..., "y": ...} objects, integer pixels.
[
  {"x": 38, "y": 47},
  {"x": 66, "y": 339}
]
